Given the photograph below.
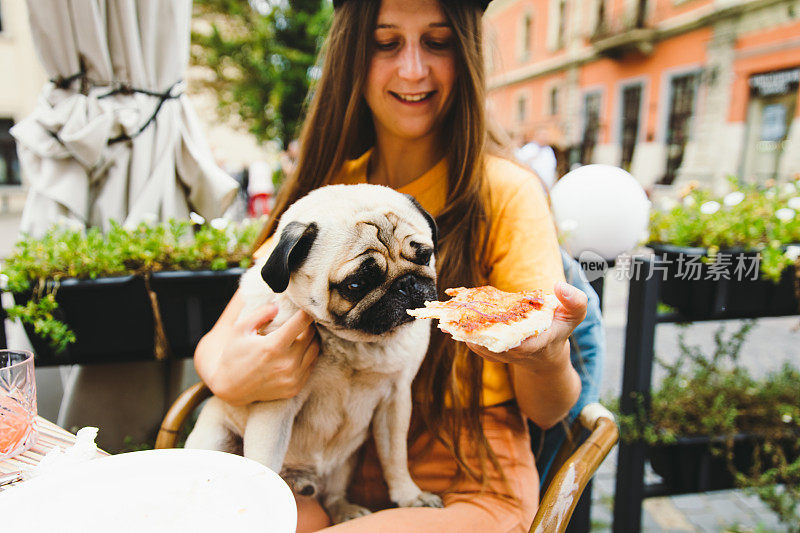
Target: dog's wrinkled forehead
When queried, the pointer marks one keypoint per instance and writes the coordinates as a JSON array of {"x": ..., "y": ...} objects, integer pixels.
[
  {"x": 333, "y": 229},
  {"x": 364, "y": 211},
  {"x": 391, "y": 235}
]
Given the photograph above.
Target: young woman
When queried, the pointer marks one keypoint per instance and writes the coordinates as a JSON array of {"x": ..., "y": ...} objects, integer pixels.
[{"x": 400, "y": 102}]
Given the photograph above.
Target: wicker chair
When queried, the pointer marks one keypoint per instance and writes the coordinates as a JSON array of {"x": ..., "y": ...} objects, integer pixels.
[
  {"x": 574, "y": 466},
  {"x": 572, "y": 469},
  {"x": 179, "y": 412}
]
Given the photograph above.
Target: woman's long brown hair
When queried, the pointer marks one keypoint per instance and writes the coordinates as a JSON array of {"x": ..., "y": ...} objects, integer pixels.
[{"x": 339, "y": 127}]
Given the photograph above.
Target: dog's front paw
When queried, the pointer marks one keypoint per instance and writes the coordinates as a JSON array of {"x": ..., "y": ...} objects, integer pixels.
[
  {"x": 342, "y": 511},
  {"x": 423, "y": 499}
]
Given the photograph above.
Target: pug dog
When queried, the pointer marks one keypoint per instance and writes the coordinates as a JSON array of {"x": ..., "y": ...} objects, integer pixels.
[{"x": 355, "y": 258}]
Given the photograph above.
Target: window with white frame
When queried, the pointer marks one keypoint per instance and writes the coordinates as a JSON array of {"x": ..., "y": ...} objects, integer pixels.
[
  {"x": 561, "y": 37},
  {"x": 525, "y": 46},
  {"x": 552, "y": 100},
  {"x": 591, "y": 126},
  {"x": 682, "y": 90},
  {"x": 629, "y": 123},
  {"x": 522, "y": 108}
]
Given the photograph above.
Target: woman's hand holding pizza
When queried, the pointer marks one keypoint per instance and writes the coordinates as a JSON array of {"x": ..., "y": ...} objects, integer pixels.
[
  {"x": 546, "y": 351},
  {"x": 529, "y": 331},
  {"x": 529, "y": 328}
]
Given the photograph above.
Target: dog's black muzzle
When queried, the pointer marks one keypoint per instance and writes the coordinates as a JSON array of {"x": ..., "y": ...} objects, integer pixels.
[{"x": 407, "y": 292}]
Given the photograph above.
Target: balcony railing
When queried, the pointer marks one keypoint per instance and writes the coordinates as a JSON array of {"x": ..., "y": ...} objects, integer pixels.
[{"x": 623, "y": 31}]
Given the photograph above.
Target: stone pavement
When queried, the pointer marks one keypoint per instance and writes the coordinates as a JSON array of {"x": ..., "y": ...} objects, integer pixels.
[
  {"x": 772, "y": 342},
  {"x": 708, "y": 512}
]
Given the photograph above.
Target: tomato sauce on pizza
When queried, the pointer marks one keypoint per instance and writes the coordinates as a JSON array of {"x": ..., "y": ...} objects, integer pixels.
[
  {"x": 485, "y": 306},
  {"x": 490, "y": 317}
]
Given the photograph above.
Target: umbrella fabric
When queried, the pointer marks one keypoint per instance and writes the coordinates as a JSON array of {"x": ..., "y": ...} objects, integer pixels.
[{"x": 112, "y": 135}]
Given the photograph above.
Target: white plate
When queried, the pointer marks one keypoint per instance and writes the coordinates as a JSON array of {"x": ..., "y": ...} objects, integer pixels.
[{"x": 156, "y": 490}]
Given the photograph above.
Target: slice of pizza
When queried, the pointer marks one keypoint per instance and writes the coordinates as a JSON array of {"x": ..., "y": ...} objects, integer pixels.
[{"x": 490, "y": 317}]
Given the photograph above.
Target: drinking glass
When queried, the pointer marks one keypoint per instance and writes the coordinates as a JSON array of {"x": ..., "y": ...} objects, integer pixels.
[{"x": 17, "y": 402}]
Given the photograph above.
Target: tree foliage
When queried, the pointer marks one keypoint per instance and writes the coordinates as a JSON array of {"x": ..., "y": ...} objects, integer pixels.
[{"x": 261, "y": 56}]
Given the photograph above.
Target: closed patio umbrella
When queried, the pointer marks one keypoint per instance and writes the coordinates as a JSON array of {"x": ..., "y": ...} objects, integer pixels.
[{"x": 113, "y": 135}]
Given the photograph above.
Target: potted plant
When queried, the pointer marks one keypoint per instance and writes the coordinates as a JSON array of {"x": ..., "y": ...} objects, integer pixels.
[
  {"x": 729, "y": 256},
  {"x": 87, "y": 296},
  {"x": 711, "y": 425}
]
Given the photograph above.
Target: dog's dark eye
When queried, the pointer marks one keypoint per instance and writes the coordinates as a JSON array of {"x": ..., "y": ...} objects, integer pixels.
[
  {"x": 422, "y": 253},
  {"x": 423, "y": 256},
  {"x": 355, "y": 286},
  {"x": 353, "y": 291}
]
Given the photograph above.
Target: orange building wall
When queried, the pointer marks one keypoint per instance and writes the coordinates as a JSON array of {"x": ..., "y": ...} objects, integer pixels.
[
  {"x": 664, "y": 9},
  {"x": 539, "y": 123},
  {"x": 504, "y": 107},
  {"x": 684, "y": 50},
  {"x": 777, "y": 48},
  {"x": 657, "y": 11},
  {"x": 774, "y": 48},
  {"x": 500, "y": 107},
  {"x": 505, "y": 26},
  {"x": 618, "y": 13}
]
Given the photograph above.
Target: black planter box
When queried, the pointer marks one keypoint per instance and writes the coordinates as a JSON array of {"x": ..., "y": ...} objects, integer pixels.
[
  {"x": 690, "y": 465},
  {"x": 720, "y": 291},
  {"x": 191, "y": 302},
  {"x": 111, "y": 317}
]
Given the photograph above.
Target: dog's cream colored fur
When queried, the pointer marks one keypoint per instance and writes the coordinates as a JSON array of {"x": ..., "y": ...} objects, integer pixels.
[{"x": 359, "y": 378}]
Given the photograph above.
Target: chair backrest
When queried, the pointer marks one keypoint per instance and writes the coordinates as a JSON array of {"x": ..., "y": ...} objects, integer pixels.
[
  {"x": 573, "y": 468},
  {"x": 178, "y": 414}
]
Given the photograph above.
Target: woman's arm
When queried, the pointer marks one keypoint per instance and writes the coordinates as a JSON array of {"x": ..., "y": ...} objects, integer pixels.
[
  {"x": 545, "y": 383},
  {"x": 546, "y": 396},
  {"x": 523, "y": 254},
  {"x": 241, "y": 366}
]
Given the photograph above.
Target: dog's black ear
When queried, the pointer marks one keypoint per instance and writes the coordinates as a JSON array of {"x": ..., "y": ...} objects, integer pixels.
[
  {"x": 428, "y": 218},
  {"x": 290, "y": 252}
]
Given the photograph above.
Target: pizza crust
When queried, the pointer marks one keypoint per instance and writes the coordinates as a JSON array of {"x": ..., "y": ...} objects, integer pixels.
[{"x": 498, "y": 336}]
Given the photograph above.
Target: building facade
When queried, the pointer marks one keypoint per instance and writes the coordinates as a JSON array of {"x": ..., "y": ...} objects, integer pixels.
[
  {"x": 671, "y": 90},
  {"x": 23, "y": 77}
]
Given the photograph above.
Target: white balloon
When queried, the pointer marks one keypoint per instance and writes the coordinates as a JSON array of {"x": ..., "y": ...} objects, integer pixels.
[{"x": 606, "y": 208}]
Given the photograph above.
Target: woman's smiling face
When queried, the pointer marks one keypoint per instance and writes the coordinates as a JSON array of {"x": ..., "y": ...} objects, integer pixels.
[{"x": 412, "y": 71}]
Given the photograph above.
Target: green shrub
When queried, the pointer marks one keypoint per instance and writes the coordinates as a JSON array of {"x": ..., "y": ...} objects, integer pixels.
[
  {"x": 713, "y": 395},
  {"x": 37, "y": 265},
  {"x": 752, "y": 217}
]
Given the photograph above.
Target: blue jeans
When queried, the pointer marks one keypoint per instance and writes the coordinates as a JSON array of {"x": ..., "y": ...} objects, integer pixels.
[{"x": 587, "y": 353}]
